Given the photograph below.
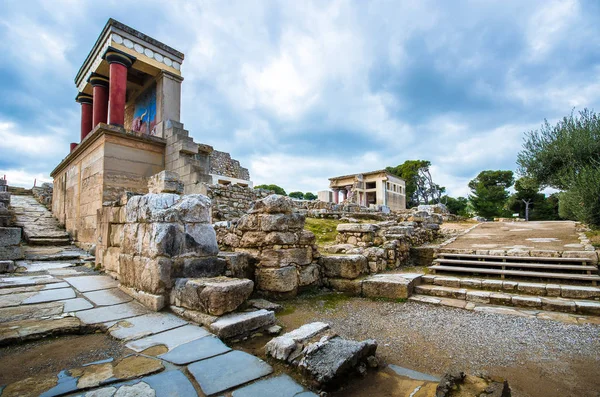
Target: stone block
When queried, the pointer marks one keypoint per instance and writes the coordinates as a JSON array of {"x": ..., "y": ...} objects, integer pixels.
[
  {"x": 285, "y": 257},
  {"x": 526, "y": 301},
  {"x": 165, "y": 182},
  {"x": 280, "y": 238},
  {"x": 283, "y": 346},
  {"x": 151, "y": 301},
  {"x": 306, "y": 238},
  {"x": 152, "y": 275},
  {"x": 553, "y": 289},
  {"x": 335, "y": 358},
  {"x": 238, "y": 324},
  {"x": 282, "y": 222},
  {"x": 11, "y": 252},
  {"x": 478, "y": 296},
  {"x": 200, "y": 240},
  {"x": 352, "y": 287},
  {"x": 447, "y": 281},
  {"x": 273, "y": 204},
  {"x": 588, "y": 307},
  {"x": 579, "y": 292},
  {"x": 211, "y": 266},
  {"x": 356, "y": 228},
  {"x": 215, "y": 296},
  {"x": 10, "y": 236},
  {"x": 500, "y": 299},
  {"x": 253, "y": 239},
  {"x": 284, "y": 279},
  {"x": 532, "y": 289},
  {"x": 116, "y": 235},
  {"x": 308, "y": 275},
  {"x": 344, "y": 266},
  {"x": 7, "y": 266},
  {"x": 558, "y": 305},
  {"x": 470, "y": 283},
  {"x": 238, "y": 264},
  {"x": 592, "y": 255},
  {"x": 390, "y": 286},
  {"x": 493, "y": 285},
  {"x": 110, "y": 259}
]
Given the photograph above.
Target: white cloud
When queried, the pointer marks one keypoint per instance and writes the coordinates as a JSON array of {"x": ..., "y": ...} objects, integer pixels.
[
  {"x": 28, "y": 145},
  {"x": 548, "y": 25},
  {"x": 24, "y": 178}
]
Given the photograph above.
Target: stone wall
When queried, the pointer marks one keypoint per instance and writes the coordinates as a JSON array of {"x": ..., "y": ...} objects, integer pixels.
[
  {"x": 232, "y": 201},
  {"x": 221, "y": 163},
  {"x": 10, "y": 244},
  {"x": 285, "y": 254},
  {"x": 43, "y": 194},
  {"x": 149, "y": 241}
]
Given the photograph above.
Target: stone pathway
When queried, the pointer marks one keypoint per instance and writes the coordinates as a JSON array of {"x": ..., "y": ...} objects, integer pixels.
[
  {"x": 173, "y": 357},
  {"x": 39, "y": 226}
]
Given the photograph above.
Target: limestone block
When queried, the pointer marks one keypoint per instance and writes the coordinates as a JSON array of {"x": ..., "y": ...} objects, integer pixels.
[
  {"x": 7, "y": 266},
  {"x": 193, "y": 208},
  {"x": 200, "y": 240},
  {"x": 284, "y": 279},
  {"x": 151, "y": 301},
  {"x": 306, "y": 238},
  {"x": 532, "y": 289},
  {"x": 353, "y": 287},
  {"x": 308, "y": 275},
  {"x": 199, "y": 267},
  {"x": 215, "y": 296},
  {"x": 249, "y": 222},
  {"x": 281, "y": 238},
  {"x": 110, "y": 259},
  {"x": 356, "y": 228},
  {"x": 146, "y": 274},
  {"x": 11, "y": 252},
  {"x": 344, "y": 266},
  {"x": 238, "y": 324},
  {"x": 10, "y": 236},
  {"x": 165, "y": 182},
  {"x": 238, "y": 264},
  {"x": 150, "y": 207},
  {"x": 390, "y": 286},
  {"x": 579, "y": 292},
  {"x": 273, "y": 204},
  {"x": 283, "y": 346},
  {"x": 285, "y": 257},
  {"x": 581, "y": 254},
  {"x": 253, "y": 239},
  {"x": 282, "y": 222},
  {"x": 116, "y": 235}
]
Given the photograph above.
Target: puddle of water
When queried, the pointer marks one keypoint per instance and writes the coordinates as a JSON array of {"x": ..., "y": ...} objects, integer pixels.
[{"x": 415, "y": 375}]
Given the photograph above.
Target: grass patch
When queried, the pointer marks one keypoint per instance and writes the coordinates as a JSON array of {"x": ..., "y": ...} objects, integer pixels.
[
  {"x": 327, "y": 301},
  {"x": 594, "y": 237},
  {"x": 288, "y": 308},
  {"x": 397, "y": 300},
  {"x": 324, "y": 229}
]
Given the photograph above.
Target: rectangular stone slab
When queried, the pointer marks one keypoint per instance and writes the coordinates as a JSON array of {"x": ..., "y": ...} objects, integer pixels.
[
  {"x": 27, "y": 280},
  {"x": 196, "y": 350},
  {"x": 142, "y": 326},
  {"x": 75, "y": 305},
  {"x": 229, "y": 370},
  {"x": 43, "y": 266},
  {"x": 92, "y": 283},
  {"x": 107, "y": 297},
  {"x": 278, "y": 386},
  {"x": 51, "y": 295},
  {"x": 171, "y": 339},
  {"x": 111, "y": 313}
]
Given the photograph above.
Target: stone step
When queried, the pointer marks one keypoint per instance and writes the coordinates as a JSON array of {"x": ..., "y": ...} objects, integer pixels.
[
  {"x": 234, "y": 325},
  {"x": 519, "y": 273},
  {"x": 48, "y": 240},
  {"x": 587, "y": 307},
  {"x": 523, "y": 265},
  {"x": 516, "y": 258},
  {"x": 522, "y": 287}
]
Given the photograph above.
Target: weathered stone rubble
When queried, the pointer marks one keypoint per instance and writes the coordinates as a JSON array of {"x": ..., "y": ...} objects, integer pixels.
[
  {"x": 10, "y": 245},
  {"x": 43, "y": 194},
  {"x": 456, "y": 383},
  {"x": 231, "y": 202},
  {"x": 320, "y": 354},
  {"x": 273, "y": 236},
  {"x": 5, "y": 215}
]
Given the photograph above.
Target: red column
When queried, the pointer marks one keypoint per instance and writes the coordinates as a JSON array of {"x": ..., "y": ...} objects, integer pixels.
[
  {"x": 119, "y": 63},
  {"x": 336, "y": 196},
  {"x": 73, "y": 146},
  {"x": 86, "y": 113},
  {"x": 100, "y": 105}
]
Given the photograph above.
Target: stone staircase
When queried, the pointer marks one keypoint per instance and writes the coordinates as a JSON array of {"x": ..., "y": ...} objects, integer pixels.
[
  {"x": 465, "y": 292},
  {"x": 189, "y": 159},
  {"x": 38, "y": 224},
  {"x": 581, "y": 269}
]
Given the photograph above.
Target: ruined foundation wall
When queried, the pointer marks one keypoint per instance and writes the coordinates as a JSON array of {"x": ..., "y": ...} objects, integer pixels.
[
  {"x": 231, "y": 201},
  {"x": 221, "y": 163}
]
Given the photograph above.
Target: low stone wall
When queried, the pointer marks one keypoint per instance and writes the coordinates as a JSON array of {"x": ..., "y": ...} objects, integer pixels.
[
  {"x": 43, "y": 194},
  {"x": 232, "y": 201},
  {"x": 273, "y": 236},
  {"x": 10, "y": 244},
  {"x": 5, "y": 214}
]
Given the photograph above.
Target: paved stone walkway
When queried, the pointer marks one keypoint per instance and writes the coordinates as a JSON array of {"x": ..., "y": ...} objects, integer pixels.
[
  {"x": 173, "y": 357},
  {"x": 39, "y": 226}
]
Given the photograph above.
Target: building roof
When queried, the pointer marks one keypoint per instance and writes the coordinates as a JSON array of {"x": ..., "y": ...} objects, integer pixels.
[{"x": 366, "y": 173}]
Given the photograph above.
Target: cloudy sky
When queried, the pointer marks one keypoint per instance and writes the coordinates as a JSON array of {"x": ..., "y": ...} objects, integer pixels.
[{"x": 300, "y": 91}]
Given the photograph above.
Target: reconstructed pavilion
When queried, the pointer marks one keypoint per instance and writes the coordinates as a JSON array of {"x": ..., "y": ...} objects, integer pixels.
[
  {"x": 129, "y": 90},
  {"x": 369, "y": 188}
]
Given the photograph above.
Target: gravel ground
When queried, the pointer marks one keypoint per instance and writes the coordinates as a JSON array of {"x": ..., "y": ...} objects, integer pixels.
[{"x": 538, "y": 357}]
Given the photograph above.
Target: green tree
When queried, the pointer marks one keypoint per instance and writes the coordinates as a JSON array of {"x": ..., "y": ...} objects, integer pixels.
[
  {"x": 489, "y": 193},
  {"x": 566, "y": 156},
  {"x": 297, "y": 195},
  {"x": 274, "y": 188},
  {"x": 310, "y": 196},
  {"x": 530, "y": 203},
  {"x": 457, "y": 206},
  {"x": 420, "y": 188}
]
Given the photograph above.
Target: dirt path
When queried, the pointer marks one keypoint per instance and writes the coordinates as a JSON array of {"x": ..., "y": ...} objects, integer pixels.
[{"x": 539, "y": 358}]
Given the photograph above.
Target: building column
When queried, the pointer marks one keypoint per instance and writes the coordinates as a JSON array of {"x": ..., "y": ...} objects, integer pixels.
[
  {"x": 118, "y": 62},
  {"x": 100, "y": 99},
  {"x": 86, "y": 113},
  {"x": 72, "y": 146},
  {"x": 344, "y": 194},
  {"x": 336, "y": 196}
]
